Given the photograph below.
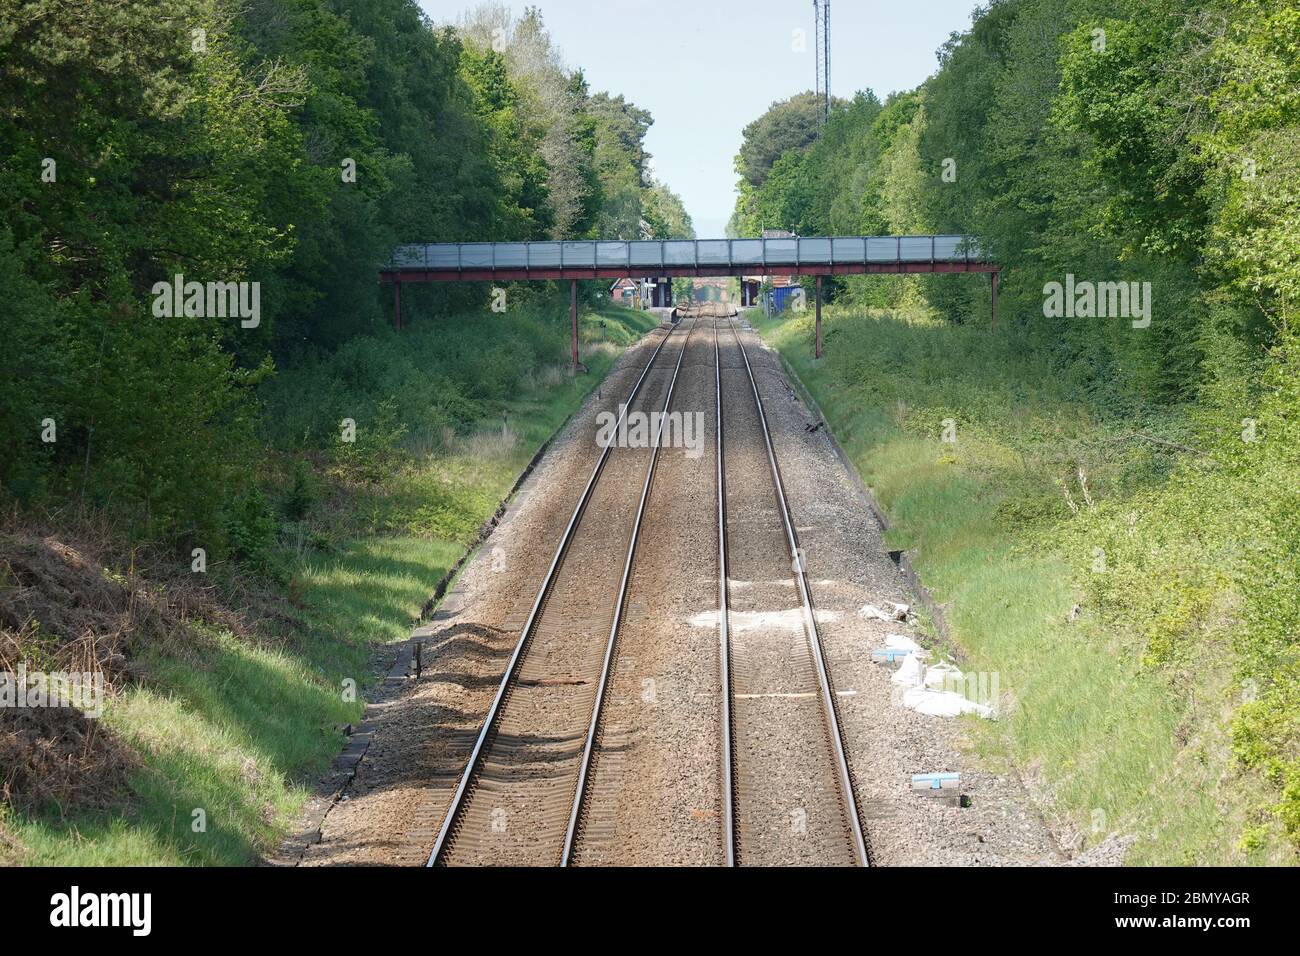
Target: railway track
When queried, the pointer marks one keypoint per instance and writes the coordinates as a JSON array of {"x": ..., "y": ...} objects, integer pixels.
[
  {"x": 789, "y": 800},
  {"x": 787, "y": 793},
  {"x": 519, "y": 799},
  {"x": 706, "y": 310}
]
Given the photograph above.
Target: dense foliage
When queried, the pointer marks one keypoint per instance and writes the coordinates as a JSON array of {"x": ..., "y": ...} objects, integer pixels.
[
  {"x": 1120, "y": 140},
  {"x": 288, "y": 143}
]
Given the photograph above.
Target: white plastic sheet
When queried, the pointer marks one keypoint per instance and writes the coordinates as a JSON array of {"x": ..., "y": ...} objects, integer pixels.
[{"x": 925, "y": 686}]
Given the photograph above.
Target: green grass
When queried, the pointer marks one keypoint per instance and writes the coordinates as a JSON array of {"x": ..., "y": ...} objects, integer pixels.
[
  {"x": 240, "y": 729},
  {"x": 219, "y": 733},
  {"x": 1122, "y": 718}
]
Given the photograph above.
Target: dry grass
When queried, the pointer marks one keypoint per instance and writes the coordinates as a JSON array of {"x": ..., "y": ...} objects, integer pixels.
[
  {"x": 553, "y": 376},
  {"x": 63, "y": 609},
  {"x": 58, "y": 756},
  {"x": 491, "y": 443},
  {"x": 603, "y": 349}
]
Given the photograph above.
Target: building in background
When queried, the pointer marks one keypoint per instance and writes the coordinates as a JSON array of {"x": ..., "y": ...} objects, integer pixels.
[
  {"x": 645, "y": 293},
  {"x": 625, "y": 292},
  {"x": 657, "y": 292}
]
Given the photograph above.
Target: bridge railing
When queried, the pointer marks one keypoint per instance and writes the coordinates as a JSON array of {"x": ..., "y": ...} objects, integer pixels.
[{"x": 645, "y": 256}]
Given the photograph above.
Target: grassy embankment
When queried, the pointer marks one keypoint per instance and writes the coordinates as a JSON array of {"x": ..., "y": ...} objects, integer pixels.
[
  {"x": 1118, "y": 711},
  {"x": 352, "y": 538}
]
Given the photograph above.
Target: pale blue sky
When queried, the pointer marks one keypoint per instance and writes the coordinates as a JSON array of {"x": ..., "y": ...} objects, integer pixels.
[{"x": 706, "y": 68}]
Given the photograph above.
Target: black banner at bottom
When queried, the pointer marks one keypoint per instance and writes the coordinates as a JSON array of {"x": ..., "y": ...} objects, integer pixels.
[{"x": 927, "y": 906}]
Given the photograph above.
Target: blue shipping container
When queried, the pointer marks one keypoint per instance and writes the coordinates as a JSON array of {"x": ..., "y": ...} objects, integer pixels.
[{"x": 781, "y": 297}]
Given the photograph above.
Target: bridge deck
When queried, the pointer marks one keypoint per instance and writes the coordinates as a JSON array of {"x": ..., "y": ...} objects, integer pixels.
[{"x": 587, "y": 259}]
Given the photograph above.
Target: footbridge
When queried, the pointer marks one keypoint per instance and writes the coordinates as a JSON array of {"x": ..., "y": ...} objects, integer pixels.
[{"x": 815, "y": 256}]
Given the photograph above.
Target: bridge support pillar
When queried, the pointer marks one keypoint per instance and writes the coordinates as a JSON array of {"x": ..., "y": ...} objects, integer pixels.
[
  {"x": 397, "y": 306},
  {"x": 573, "y": 320},
  {"x": 817, "y": 296},
  {"x": 994, "y": 277}
]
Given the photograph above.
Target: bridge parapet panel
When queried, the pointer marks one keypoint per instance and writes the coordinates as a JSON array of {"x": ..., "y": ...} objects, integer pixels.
[
  {"x": 679, "y": 252},
  {"x": 543, "y": 255},
  {"x": 476, "y": 255},
  {"x": 442, "y": 255},
  {"x": 714, "y": 252},
  {"x": 611, "y": 254},
  {"x": 882, "y": 248},
  {"x": 510, "y": 255},
  {"x": 815, "y": 251},
  {"x": 849, "y": 249},
  {"x": 747, "y": 252},
  {"x": 915, "y": 248},
  {"x": 946, "y": 248},
  {"x": 579, "y": 254},
  {"x": 782, "y": 252},
  {"x": 646, "y": 254}
]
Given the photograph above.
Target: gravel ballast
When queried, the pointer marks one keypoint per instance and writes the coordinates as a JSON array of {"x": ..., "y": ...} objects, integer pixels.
[{"x": 655, "y": 790}]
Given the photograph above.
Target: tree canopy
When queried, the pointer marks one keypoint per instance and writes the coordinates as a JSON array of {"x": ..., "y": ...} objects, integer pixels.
[
  {"x": 286, "y": 143},
  {"x": 1137, "y": 141}
]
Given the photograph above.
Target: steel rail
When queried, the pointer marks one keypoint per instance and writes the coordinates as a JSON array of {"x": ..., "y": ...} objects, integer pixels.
[
  {"x": 810, "y": 626},
  {"x": 489, "y": 721},
  {"x": 579, "y": 795},
  {"x": 724, "y": 637}
]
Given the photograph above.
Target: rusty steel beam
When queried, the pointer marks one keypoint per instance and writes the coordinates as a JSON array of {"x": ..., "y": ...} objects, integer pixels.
[
  {"x": 818, "y": 296},
  {"x": 573, "y": 318}
]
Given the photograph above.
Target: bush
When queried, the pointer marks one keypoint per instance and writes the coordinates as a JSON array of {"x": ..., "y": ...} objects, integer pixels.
[
  {"x": 252, "y": 531},
  {"x": 433, "y": 376}
]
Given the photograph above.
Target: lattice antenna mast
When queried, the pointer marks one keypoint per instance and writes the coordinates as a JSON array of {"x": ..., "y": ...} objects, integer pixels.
[
  {"x": 818, "y": 57},
  {"x": 826, "y": 54},
  {"x": 824, "y": 45},
  {"x": 822, "y": 53}
]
